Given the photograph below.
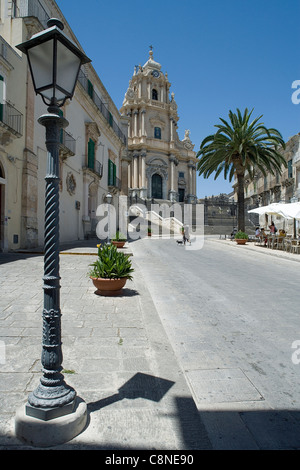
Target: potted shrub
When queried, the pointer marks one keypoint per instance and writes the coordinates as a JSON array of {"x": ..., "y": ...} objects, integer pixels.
[
  {"x": 241, "y": 237},
  {"x": 119, "y": 240},
  {"x": 111, "y": 270},
  {"x": 149, "y": 232}
]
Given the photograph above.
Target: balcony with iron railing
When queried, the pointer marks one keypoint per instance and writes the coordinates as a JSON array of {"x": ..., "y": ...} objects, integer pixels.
[
  {"x": 115, "y": 185},
  {"x": 83, "y": 80},
  {"x": 95, "y": 166},
  {"x": 11, "y": 122},
  {"x": 67, "y": 144}
]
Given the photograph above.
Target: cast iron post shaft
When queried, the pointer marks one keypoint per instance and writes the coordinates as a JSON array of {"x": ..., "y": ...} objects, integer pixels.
[{"x": 52, "y": 391}]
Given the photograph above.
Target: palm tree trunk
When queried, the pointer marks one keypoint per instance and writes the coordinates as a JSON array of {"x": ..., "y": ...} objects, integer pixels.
[{"x": 241, "y": 202}]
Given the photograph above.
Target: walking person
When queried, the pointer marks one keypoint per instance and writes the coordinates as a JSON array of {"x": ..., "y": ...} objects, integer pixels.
[{"x": 186, "y": 234}]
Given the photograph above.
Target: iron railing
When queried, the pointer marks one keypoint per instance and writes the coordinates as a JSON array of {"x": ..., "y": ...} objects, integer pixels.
[
  {"x": 83, "y": 80},
  {"x": 11, "y": 117},
  {"x": 116, "y": 183},
  {"x": 68, "y": 141},
  {"x": 96, "y": 167}
]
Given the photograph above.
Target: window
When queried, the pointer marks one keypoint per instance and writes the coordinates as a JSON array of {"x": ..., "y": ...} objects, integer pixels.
[
  {"x": 110, "y": 119},
  {"x": 154, "y": 94},
  {"x": 181, "y": 174},
  {"x": 91, "y": 154},
  {"x": 157, "y": 133},
  {"x": 112, "y": 173},
  {"x": 90, "y": 89},
  {"x": 290, "y": 169}
]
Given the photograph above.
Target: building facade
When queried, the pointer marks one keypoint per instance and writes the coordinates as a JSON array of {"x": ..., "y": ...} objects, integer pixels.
[
  {"x": 93, "y": 151},
  {"x": 264, "y": 190},
  {"x": 161, "y": 166}
]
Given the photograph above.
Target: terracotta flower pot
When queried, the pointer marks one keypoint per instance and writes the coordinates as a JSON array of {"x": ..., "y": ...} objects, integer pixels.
[
  {"x": 241, "y": 241},
  {"x": 108, "y": 286},
  {"x": 118, "y": 244}
]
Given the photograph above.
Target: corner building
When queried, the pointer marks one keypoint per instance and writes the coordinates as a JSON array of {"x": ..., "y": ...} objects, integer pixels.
[{"x": 161, "y": 166}]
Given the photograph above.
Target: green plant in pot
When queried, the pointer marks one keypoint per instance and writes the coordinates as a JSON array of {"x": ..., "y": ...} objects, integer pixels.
[
  {"x": 241, "y": 237},
  {"x": 111, "y": 269},
  {"x": 119, "y": 240}
]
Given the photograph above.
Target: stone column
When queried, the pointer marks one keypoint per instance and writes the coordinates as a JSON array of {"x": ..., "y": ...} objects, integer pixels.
[
  {"x": 135, "y": 124},
  {"x": 129, "y": 176},
  {"x": 129, "y": 121},
  {"x": 172, "y": 192},
  {"x": 143, "y": 122},
  {"x": 194, "y": 180},
  {"x": 190, "y": 188},
  {"x": 135, "y": 170},
  {"x": 171, "y": 130},
  {"x": 143, "y": 191},
  {"x": 125, "y": 182}
]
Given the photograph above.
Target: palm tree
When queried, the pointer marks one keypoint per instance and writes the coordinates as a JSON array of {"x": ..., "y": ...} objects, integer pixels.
[{"x": 241, "y": 147}]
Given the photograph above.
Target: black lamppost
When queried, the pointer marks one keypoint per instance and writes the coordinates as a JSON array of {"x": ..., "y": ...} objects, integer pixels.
[{"x": 54, "y": 62}]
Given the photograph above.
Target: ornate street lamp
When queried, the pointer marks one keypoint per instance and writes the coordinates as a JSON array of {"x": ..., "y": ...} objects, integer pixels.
[{"x": 54, "y": 62}]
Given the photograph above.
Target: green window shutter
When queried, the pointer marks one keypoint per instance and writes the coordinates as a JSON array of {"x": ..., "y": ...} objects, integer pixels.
[
  {"x": 114, "y": 174},
  {"x": 91, "y": 154},
  {"x": 111, "y": 173},
  {"x": 111, "y": 119}
]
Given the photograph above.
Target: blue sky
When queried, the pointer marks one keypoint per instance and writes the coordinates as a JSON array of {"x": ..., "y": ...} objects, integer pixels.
[{"x": 219, "y": 55}]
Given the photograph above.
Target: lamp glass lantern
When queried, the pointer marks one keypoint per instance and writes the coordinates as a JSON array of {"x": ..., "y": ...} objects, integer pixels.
[{"x": 54, "y": 62}]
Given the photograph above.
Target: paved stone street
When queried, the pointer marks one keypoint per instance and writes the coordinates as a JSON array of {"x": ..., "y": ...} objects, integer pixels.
[
  {"x": 194, "y": 354},
  {"x": 232, "y": 314}
]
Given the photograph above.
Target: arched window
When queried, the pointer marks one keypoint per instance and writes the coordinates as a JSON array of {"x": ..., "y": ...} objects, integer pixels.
[
  {"x": 157, "y": 133},
  {"x": 154, "y": 94},
  {"x": 156, "y": 186}
]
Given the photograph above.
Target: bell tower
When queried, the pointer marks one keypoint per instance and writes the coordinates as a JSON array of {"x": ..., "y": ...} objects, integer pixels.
[{"x": 162, "y": 167}]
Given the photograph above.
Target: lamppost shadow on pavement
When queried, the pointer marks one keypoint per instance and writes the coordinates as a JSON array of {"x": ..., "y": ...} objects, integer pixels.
[{"x": 139, "y": 386}]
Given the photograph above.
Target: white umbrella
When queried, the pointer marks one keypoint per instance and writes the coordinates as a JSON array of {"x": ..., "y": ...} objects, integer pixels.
[
  {"x": 269, "y": 209},
  {"x": 290, "y": 211}
]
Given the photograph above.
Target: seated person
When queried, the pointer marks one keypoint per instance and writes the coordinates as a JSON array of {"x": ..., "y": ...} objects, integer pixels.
[
  {"x": 263, "y": 235},
  {"x": 233, "y": 233}
]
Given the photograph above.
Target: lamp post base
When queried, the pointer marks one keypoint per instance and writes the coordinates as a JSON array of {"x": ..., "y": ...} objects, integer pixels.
[
  {"x": 49, "y": 413},
  {"x": 39, "y": 432}
]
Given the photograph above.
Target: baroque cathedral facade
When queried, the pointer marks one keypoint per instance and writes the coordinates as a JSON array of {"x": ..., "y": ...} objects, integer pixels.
[{"x": 161, "y": 166}]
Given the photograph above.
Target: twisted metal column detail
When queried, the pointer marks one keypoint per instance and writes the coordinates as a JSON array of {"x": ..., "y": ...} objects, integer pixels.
[{"x": 52, "y": 390}]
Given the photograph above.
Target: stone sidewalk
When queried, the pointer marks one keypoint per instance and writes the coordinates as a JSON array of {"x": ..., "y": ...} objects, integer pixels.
[
  {"x": 116, "y": 356},
  {"x": 256, "y": 248}
]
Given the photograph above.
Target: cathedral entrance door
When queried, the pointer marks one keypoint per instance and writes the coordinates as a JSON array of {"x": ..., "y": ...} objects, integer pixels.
[
  {"x": 181, "y": 194},
  {"x": 157, "y": 186}
]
